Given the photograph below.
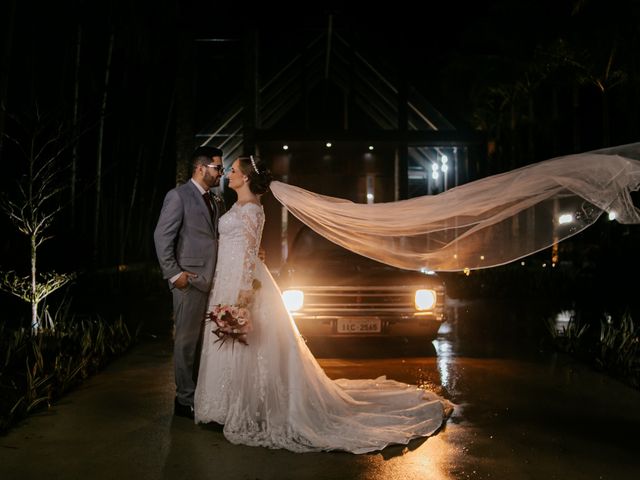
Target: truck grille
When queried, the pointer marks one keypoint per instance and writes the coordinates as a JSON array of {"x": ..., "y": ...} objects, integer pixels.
[{"x": 377, "y": 301}]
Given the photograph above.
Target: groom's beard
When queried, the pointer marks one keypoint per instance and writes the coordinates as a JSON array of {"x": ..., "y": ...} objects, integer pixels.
[{"x": 211, "y": 181}]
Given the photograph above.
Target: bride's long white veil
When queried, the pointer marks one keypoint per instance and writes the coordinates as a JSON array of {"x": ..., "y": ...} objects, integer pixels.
[{"x": 485, "y": 223}]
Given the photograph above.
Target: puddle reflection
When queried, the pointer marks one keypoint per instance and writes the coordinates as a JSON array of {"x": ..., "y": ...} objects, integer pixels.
[
  {"x": 492, "y": 330},
  {"x": 495, "y": 329},
  {"x": 444, "y": 353}
]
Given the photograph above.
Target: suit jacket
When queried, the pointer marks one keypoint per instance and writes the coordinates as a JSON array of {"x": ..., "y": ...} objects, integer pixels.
[{"x": 186, "y": 237}]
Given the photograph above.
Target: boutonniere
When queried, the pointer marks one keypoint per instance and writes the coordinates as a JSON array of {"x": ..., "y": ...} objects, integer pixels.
[{"x": 216, "y": 198}]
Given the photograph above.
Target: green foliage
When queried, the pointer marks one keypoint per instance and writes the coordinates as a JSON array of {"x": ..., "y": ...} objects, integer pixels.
[
  {"x": 39, "y": 367},
  {"x": 619, "y": 347},
  {"x": 46, "y": 283},
  {"x": 571, "y": 338},
  {"x": 616, "y": 350}
]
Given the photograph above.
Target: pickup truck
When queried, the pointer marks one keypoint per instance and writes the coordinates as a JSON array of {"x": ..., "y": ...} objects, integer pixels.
[{"x": 332, "y": 292}]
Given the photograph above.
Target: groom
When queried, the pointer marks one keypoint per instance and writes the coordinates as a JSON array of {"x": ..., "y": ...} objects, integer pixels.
[{"x": 186, "y": 240}]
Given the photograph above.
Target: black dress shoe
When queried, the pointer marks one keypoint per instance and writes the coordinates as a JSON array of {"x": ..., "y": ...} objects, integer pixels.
[{"x": 180, "y": 410}]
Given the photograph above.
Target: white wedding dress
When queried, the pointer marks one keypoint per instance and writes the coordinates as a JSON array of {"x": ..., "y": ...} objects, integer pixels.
[{"x": 273, "y": 393}]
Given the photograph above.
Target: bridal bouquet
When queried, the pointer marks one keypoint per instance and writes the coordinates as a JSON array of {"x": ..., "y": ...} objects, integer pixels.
[{"x": 233, "y": 321}]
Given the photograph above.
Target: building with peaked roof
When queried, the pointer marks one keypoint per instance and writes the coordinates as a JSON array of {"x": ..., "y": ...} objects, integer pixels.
[{"x": 327, "y": 118}]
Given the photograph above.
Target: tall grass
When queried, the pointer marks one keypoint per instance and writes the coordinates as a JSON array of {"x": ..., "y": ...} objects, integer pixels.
[
  {"x": 619, "y": 348},
  {"x": 615, "y": 350},
  {"x": 38, "y": 367}
]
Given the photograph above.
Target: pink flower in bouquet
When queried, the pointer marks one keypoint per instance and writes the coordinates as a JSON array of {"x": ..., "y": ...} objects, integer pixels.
[
  {"x": 243, "y": 315},
  {"x": 231, "y": 322}
]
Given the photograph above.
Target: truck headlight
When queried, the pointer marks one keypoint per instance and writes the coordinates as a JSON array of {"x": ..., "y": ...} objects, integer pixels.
[
  {"x": 425, "y": 299},
  {"x": 293, "y": 299}
]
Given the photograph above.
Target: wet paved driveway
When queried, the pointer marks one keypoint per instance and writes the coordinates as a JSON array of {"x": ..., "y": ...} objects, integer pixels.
[{"x": 521, "y": 413}]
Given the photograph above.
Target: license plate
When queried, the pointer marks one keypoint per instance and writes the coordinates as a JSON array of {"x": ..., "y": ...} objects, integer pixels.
[{"x": 359, "y": 325}]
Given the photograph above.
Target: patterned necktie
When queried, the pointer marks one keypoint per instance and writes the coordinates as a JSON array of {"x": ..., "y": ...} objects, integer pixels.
[{"x": 207, "y": 200}]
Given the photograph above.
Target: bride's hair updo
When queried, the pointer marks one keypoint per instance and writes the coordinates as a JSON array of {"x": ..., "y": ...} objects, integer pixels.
[{"x": 257, "y": 172}]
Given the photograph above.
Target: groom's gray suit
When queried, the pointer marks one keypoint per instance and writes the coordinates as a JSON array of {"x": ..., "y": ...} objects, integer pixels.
[{"x": 186, "y": 240}]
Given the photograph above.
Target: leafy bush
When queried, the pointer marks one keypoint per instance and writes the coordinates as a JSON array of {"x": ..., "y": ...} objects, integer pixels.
[
  {"x": 38, "y": 367},
  {"x": 619, "y": 348},
  {"x": 571, "y": 338},
  {"x": 615, "y": 350}
]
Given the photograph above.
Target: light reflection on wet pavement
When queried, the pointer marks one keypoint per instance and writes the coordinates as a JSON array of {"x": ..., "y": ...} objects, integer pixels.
[{"x": 521, "y": 412}]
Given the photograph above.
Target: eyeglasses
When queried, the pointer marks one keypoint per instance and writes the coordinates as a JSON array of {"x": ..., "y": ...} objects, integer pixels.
[{"x": 219, "y": 168}]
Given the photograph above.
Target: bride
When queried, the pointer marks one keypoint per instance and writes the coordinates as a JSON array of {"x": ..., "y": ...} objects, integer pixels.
[{"x": 272, "y": 392}]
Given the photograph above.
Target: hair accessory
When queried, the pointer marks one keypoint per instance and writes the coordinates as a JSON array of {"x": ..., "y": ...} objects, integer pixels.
[{"x": 253, "y": 163}]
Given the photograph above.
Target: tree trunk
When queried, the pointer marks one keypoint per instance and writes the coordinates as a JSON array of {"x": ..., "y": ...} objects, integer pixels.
[
  {"x": 554, "y": 121},
  {"x": 5, "y": 60},
  {"x": 130, "y": 210},
  {"x": 184, "y": 110},
  {"x": 576, "y": 118},
  {"x": 606, "y": 131},
  {"x": 531, "y": 154},
  {"x": 513, "y": 133},
  {"x": 30, "y": 204},
  {"x": 103, "y": 109},
  {"x": 161, "y": 160},
  {"x": 35, "y": 323},
  {"x": 74, "y": 151}
]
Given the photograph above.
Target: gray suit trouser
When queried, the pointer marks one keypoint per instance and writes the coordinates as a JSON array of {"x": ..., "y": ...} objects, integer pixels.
[{"x": 189, "y": 307}]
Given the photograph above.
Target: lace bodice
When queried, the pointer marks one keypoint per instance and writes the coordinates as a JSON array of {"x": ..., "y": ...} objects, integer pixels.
[{"x": 240, "y": 234}]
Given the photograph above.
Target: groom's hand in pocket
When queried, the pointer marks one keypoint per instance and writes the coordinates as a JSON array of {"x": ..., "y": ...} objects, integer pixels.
[{"x": 182, "y": 281}]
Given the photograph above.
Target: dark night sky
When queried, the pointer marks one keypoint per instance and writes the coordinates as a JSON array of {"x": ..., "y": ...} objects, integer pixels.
[
  {"x": 437, "y": 46},
  {"x": 444, "y": 49},
  {"x": 402, "y": 38},
  {"x": 441, "y": 47}
]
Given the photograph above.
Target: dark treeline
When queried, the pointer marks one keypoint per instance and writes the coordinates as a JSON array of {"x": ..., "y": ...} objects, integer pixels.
[
  {"x": 539, "y": 78},
  {"x": 97, "y": 77}
]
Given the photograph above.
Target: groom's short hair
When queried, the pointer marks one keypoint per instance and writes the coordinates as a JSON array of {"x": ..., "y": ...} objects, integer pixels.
[{"x": 203, "y": 155}]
